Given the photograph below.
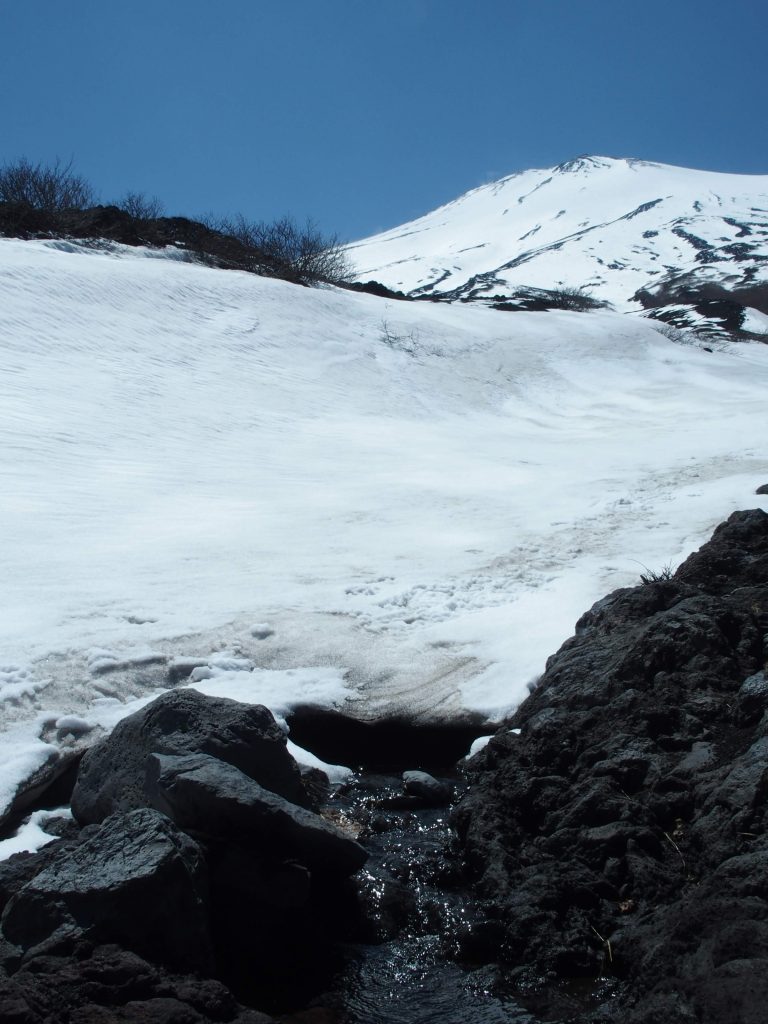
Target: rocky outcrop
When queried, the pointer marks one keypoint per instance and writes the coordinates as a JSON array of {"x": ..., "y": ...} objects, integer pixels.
[
  {"x": 621, "y": 834},
  {"x": 188, "y": 865},
  {"x": 613, "y": 835}
]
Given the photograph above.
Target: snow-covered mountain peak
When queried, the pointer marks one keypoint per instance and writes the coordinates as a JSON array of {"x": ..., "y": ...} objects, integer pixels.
[
  {"x": 583, "y": 164},
  {"x": 637, "y": 234}
]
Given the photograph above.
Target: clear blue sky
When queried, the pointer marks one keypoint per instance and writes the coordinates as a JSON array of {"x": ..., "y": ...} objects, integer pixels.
[{"x": 363, "y": 114}]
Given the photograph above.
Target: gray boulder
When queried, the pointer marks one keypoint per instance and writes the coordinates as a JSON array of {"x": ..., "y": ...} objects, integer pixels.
[
  {"x": 111, "y": 774},
  {"x": 427, "y": 788},
  {"x": 216, "y": 801},
  {"x": 137, "y": 881}
]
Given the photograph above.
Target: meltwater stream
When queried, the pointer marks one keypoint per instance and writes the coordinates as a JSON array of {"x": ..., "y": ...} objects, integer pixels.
[{"x": 414, "y": 912}]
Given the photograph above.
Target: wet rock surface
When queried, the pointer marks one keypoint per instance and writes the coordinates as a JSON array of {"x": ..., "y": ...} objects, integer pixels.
[
  {"x": 432, "y": 791},
  {"x": 621, "y": 834},
  {"x": 138, "y": 880}
]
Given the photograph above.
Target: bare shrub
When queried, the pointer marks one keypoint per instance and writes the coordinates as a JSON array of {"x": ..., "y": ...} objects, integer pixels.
[
  {"x": 141, "y": 206},
  {"x": 578, "y": 300},
  {"x": 671, "y": 333},
  {"x": 50, "y": 187},
  {"x": 400, "y": 341},
  {"x": 284, "y": 249}
]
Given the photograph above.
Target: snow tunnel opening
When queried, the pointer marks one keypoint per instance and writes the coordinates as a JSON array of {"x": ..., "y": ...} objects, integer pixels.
[{"x": 390, "y": 744}]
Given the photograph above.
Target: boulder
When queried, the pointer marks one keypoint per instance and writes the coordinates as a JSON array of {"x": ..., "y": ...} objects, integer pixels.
[
  {"x": 10, "y": 958},
  {"x": 137, "y": 881},
  {"x": 216, "y": 801},
  {"x": 753, "y": 698},
  {"x": 111, "y": 775},
  {"x": 429, "y": 789}
]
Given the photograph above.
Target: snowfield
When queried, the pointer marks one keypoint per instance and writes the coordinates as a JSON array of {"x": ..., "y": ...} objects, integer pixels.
[{"x": 321, "y": 496}]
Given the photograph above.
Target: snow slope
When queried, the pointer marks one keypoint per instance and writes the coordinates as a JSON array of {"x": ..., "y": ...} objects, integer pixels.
[
  {"x": 612, "y": 226},
  {"x": 324, "y": 496}
]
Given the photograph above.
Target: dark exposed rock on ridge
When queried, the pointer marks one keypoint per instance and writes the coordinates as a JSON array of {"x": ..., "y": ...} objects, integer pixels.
[
  {"x": 622, "y": 833},
  {"x": 295, "y": 255}
]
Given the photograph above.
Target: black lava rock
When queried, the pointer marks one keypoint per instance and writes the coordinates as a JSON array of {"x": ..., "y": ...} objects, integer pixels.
[
  {"x": 427, "y": 788},
  {"x": 110, "y": 985},
  {"x": 111, "y": 774},
  {"x": 138, "y": 881},
  {"x": 623, "y": 831},
  {"x": 216, "y": 801}
]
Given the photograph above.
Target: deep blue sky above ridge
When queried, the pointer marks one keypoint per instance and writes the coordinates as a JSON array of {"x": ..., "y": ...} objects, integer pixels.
[{"x": 363, "y": 114}]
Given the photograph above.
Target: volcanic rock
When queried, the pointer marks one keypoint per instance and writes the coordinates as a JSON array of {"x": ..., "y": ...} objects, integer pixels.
[
  {"x": 137, "y": 881},
  {"x": 432, "y": 791},
  {"x": 623, "y": 832},
  {"x": 111, "y": 775},
  {"x": 110, "y": 985},
  {"x": 215, "y": 800}
]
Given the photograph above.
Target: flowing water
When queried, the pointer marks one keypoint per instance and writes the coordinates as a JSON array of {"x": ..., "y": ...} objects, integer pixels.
[{"x": 415, "y": 908}]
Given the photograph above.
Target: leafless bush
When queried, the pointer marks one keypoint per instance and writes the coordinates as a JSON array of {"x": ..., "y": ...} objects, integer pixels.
[
  {"x": 671, "y": 333},
  {"x": 50, "y": 187},
  {"x": 578, "y": 300},
  {"x": 689, "y": 336},
  {"x": 282, "y": 248},
  {"x": 400, "y": 341},
  {"x": 141, "y": 206}
]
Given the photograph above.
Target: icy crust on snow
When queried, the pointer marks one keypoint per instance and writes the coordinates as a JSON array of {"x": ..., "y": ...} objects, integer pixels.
[
  {"x": 421, "y": 499},
  {"x": 611, "y": 225}
]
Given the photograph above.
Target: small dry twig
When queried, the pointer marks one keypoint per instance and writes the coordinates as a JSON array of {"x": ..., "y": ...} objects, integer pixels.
[
  {"x": 606, "y": 943},
  {"x": 677, "y": 848}
]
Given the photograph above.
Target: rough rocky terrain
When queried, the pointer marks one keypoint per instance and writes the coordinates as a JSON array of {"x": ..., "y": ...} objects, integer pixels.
[
  {"x": 192, "y": 872},
  {"x": 620, "y": 835}
]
